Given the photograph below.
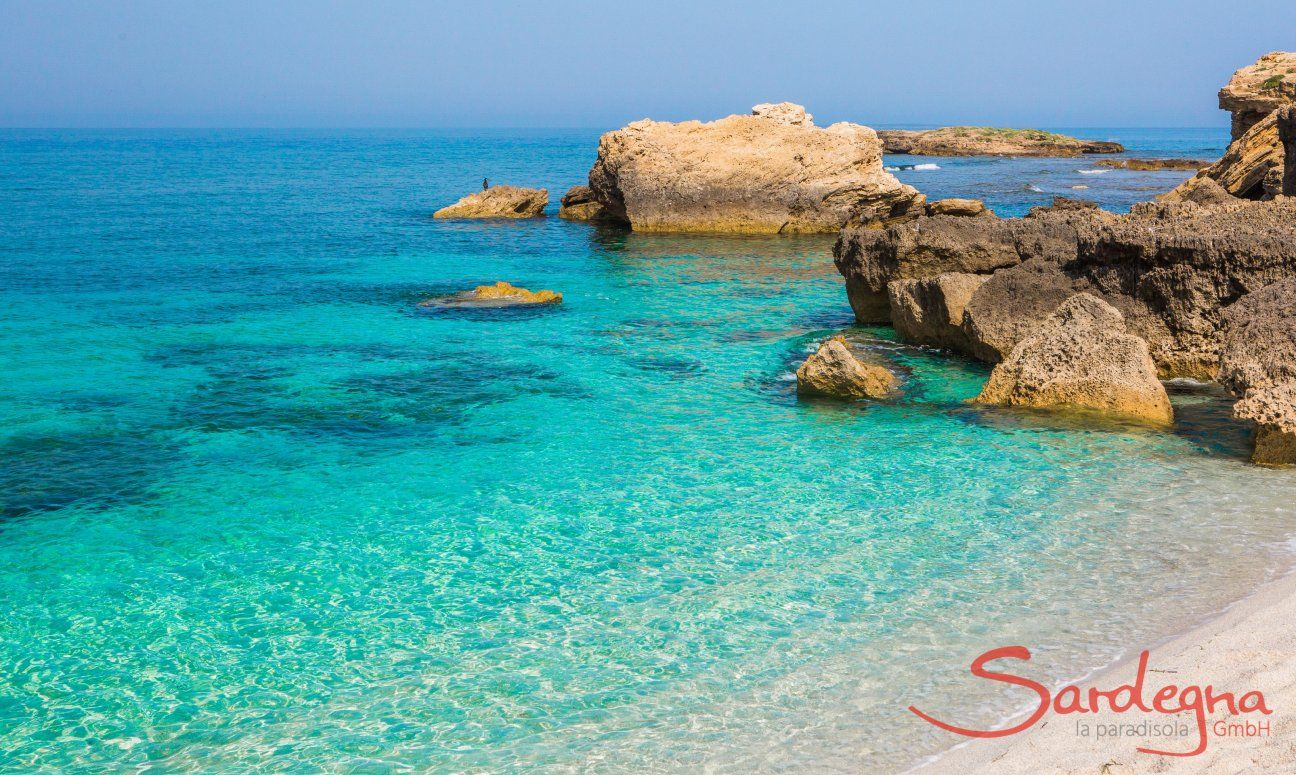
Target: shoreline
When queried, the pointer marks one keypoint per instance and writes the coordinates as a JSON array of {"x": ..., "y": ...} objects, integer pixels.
[{"x": 1250, "y": 644}]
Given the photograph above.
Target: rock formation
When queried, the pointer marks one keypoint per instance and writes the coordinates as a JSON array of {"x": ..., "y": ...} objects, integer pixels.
[
  {"x": 989, "y": 141},
  {"x": 1255, "y": 166},
  {"x": 1153, "y": 165},
  {"x": 1257, "y": 90},
  {"x": 498, "y": 202},
  {"x": 966, "y": 207},
  {"x": 930, "y": 311},
  {"x": 835, "y": 372},
  {"x": 501, "y": 294},
  {"x": 771, "y": 172},
  {"x": 578, "y": 205},
  {"x": 1081, "y": 357},
  {"x": 1169, "y": 269},
  {"x": 1258, "y": 363}
]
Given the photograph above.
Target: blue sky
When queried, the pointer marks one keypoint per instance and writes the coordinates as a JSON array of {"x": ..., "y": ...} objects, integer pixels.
[{"x": 601, "y": 64}]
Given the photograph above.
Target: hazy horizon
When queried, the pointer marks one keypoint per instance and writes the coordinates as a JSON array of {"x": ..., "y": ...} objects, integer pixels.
[{"x": 404, "y": 65}]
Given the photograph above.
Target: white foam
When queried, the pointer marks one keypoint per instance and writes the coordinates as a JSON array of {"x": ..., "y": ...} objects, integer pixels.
[
  {"x": 1093, "y": 172},
  {"x": 926, "y": 166}
]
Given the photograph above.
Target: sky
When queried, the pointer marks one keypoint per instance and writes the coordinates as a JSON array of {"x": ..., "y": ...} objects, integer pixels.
[{"x": 549, "y": 63}]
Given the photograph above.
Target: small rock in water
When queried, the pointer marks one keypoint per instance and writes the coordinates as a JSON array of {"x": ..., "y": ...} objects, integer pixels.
[
  {"x": 499, "y": 202},
  {"x": 501, "y": 294},
  {"x": 835, "y": 372}
]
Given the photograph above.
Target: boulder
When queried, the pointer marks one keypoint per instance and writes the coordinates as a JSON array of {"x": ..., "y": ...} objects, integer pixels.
[
  {"x": 498, "y": 202},
  {"x": 835, "y": 372},
  {"x": 1258, "y": 364},
  {"x": 501, "y": 294},
  {"x": 774, "y": 172},
  {"x": 578, "y": 204},
  {"x": 969, "y": 208},
  {"x": 1081, "y": 357},
  {"x": 989, "y": 141},
  {"x": 930, "y": 311},
  {"x": 1258, "y": 89}
]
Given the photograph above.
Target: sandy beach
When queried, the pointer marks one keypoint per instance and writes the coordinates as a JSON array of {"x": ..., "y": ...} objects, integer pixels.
[{"x": 1251, "y": 646}]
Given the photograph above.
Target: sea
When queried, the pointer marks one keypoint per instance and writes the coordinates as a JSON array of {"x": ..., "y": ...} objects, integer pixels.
[{"x": 262, "y": 512}]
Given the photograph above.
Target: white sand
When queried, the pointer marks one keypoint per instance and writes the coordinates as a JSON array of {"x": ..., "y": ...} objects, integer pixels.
[{"x": 1251, "y": 646}]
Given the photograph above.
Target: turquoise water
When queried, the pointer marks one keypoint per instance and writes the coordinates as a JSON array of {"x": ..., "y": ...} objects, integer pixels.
[{"x": 263, "y": 513}]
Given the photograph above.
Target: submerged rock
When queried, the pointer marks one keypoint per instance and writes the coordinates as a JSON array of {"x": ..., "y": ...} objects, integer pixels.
[
  {"x": 835, "y": 372},
  {"x": 578, "y": 204},
  {"x": 989, "y": 141},
  {"x": 498, "y": 202},
  {"x": 773, "y": 172},
  {"x": 1081, "y": 357},
  {"x": 1258, "y": 364},
  {"x": 501, "y": 294}
]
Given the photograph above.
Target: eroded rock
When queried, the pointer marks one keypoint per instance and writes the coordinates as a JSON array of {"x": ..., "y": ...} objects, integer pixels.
[
  {"x": 835, "y": 372},
  {"x": 1258, "y": 89},
  {"x": 969, "y": 208},
  {"x": 930, "y": 311},
  {"x": 501, "y": 294},
  {"x": 499, "y": 202},
  {"x": 1258, "y": 364},
  {"x": 757, "y": 174},
  {"x": 578, "y": 204},
  {"x": 1081, "y": 357}
]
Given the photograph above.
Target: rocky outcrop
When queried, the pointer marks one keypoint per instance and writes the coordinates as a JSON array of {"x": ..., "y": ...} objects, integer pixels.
[
  {"x": 1287, "y": 136},
  {"x": 930, "y": 311},
  {"x": 835, "y": 372},
  {"x": 501, "y": 294},
  {"x": 968, "y": 208},
  {"x": 578, "y": 204},
  {"x": 1257, "y": 90},
  {"x": 1081, "y": 357},
  {"x": 498, "y": 202},
  {"x": 1169, "y": 269},
  {"x": 773, "y": 172},
  {"x": 1258, "y": 363},
  {"x": 989, "y": 141},
  {"x": 1152, "y": 165},
  {"x": 1255, "y": 166},
  {"x": 869, "y": 259}
]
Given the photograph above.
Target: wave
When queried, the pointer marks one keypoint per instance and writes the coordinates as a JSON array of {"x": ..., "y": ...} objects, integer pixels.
[
  {"x": 1035, "y": 188},
  {"x": 1093, "y": 172},
  {"x": 909, "y": 167}
]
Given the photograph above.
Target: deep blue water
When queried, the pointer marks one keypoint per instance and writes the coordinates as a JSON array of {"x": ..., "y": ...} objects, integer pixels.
[{"x": 262, "y": 512}]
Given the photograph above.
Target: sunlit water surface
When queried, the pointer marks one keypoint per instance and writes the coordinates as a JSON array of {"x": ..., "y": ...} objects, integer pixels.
[{"x": 262, "y": 512}]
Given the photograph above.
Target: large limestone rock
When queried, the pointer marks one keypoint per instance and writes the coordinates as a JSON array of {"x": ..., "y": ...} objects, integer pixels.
[
  {"x": 1081, "y": 357},
  {"x": 1169, "y": 269},
  {"x": 989, "y": 141},
  {"x": 930, "y": 311},
  {"x": 578, "y": 204},
  {"x": 1257, "y": 90},
  {"x": 498, "y": 202},
  {"x": 869, "y": 258},
  {"x": 969, "y": 208},
  {"x": 772, "y": 172},
  {"x": 835, "y": 372},
  {"x": 1261, "y": 97},
  {"x": 1251, "y": 168},
  {"x": 1258, "y": 363}
]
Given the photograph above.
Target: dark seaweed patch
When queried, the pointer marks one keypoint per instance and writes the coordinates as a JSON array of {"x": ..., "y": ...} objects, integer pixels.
[{"x": 44, "y": 473}]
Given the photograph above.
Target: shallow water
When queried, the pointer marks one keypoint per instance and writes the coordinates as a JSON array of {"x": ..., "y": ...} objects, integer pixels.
[{"x": 261, "y": 511}]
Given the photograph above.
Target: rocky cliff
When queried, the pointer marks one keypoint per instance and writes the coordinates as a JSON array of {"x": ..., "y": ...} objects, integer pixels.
[
  {"x": 770, "y": 172},
  {"x": 1258, "y": 89}
]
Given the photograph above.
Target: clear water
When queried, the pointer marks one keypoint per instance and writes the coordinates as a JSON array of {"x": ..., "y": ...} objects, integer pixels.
[{"x": 262, "y": 513}]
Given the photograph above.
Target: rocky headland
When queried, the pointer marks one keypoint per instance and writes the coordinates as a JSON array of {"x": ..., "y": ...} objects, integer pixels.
[
  {"x": 989, "y": 141},
  {"x": 1152, "y": 165},
  {"x": 771, "y": 172}
]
